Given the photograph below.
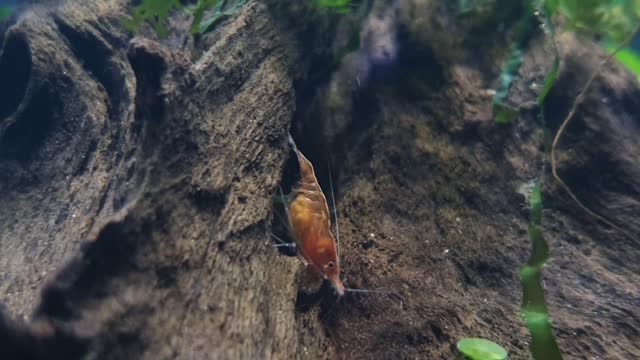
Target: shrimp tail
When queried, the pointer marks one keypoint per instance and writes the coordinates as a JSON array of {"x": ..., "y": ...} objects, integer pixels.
[
  {"x": 292, "y": 143},
  {"x": 307, "y": 175}
]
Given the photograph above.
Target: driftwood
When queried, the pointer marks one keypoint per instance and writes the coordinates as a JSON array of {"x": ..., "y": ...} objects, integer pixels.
[
  {"x": 137, "y": 179},
  {"x": 137, "y": 186}
]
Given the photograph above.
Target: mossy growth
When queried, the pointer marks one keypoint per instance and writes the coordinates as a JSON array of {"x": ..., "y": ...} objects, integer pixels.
[
  {"x": 613, "y": 19},
  {"x": 198, "y": 14},
  {"x": 5, "y": 12},
  {"x": 340, "y": 6},
  {"x": 206, "y": 13},
  {"x": 503, "y": 113},
  {"x": 217, "y": 9},
  {"x": 481, "y": 349},
  {"x": 154, "y": 13}
]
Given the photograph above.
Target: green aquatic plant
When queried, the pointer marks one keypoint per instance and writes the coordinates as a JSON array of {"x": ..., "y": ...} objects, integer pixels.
[
  {"x": 340, "y": 6},
  {"x": 356, "y": 21},
  {"x": 628, "y": 57},
  {"x": 220, "y": 9},
  {"x": 618, "y": 21},
  {"x": 534, "y": 309},
  {"x": 154, "y": 13},
  {"x": 5, "y": 12},
  {"x": 614, "y": 19},
  {"x": 503, "y": 114},
  {"x": 550, "y": 79},
  {"x": 198, "y": 14},
  {"x": 481, "y": 349}
]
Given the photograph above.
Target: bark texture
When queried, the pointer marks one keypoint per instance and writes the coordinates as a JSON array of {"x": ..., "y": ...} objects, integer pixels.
[
  {"x": 136, "y": 187},
  {"x": 137, "y": 179}
]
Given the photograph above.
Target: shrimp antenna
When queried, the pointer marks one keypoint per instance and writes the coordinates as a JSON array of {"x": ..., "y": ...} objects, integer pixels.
[
  {"x": 393, "y": 293},
  {"x": 335, "y": 215},
  {"x": 291, "y": 142},
  {"x": 286, "y": 209},
  {"x": 370, "y": 291}
]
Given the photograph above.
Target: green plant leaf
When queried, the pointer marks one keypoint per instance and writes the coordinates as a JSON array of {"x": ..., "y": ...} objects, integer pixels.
[
  {"x": 549, "y": 80},
  {"x": 481, "y": 349},
  {"x": 504, "y": 114},
  {"x": 153, "y": 12},
  {"x": 550, "y": 6},
  {"x": 198, "y": 14},
  {"x": 339, "y": 6},
  {"x": 218, "y": 10},
  {"x": 628, "y": 57},
  {"x": 221, "y": 10}
]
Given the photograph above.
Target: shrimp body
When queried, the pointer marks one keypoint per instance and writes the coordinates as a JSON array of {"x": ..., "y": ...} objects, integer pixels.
[{"x": 310, "y": 224}]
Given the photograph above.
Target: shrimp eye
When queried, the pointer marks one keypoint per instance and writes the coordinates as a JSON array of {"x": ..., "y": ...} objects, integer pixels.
[{"x": 330, "y": 264}]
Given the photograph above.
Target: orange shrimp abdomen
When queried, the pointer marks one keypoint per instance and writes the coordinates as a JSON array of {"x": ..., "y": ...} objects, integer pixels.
[{"x": 309, "y": 225}]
